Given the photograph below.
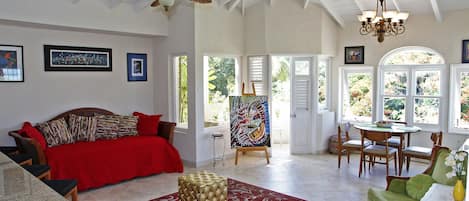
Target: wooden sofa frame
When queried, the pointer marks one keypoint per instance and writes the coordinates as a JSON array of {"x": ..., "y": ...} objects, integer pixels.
[{"x": 32, "y": 147}]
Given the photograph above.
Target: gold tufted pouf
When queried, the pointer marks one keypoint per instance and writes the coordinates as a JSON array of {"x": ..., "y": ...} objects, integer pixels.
[{"x": 202, "y": 186}]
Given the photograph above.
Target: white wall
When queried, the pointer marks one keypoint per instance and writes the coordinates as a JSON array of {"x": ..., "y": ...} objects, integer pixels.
[
  {"x": 217, "y": 31},
  {"x": 102, "y": 15},
  {"x": 329, "y": 34},
  {"x": 446, "y": 38},
  {"x": 46, "y": 94},
  {"x": 180, "y": 40}
]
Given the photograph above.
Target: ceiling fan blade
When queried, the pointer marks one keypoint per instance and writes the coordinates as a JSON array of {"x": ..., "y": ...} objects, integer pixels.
[{"x": 155, "y": 3}]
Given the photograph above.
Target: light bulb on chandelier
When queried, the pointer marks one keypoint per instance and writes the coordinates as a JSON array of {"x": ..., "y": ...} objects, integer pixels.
[{"x": 382, "y": 22}]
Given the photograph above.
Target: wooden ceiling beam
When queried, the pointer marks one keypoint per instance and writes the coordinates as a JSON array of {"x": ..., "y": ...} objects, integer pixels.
[
  {"x": 243, "y": 7},
  {"x": 436, "y": 10},
  {"x": 360, "y": 5},
  {"x": 332, "y": 12},
  {"x": 397, "y": 5}
]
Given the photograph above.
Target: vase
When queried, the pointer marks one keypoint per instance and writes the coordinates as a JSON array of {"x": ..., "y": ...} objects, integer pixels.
[{"x": 458, "y": 192}]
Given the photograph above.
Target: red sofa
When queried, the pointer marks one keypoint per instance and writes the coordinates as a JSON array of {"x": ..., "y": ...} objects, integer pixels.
[{"x": 95, "y": 164}]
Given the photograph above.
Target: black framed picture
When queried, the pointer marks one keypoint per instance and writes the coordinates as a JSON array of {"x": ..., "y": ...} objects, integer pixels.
[
  {"x": 355, "y": 55},
  {"x": 465, "y": 51},
  {"x": 136, "y": 67},
  {"x": 70, "y": 58},
  {"x": 11, "y": 63}
]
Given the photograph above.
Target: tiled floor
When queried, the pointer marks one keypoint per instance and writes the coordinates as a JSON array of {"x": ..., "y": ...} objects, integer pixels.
[{"x": 311, "y": 177}]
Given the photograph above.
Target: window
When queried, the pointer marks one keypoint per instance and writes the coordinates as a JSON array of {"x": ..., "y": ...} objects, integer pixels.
[
  {"x": 180, "y": 91},
  {"x": 459, "y": 99},
  {"x": 220, "y": 83},
  {"x": 323, "y": 74},
  {"x": 357, "y": 93},
  {"x": 257, "y": 72},
  {"x": 410, "y": 87}
]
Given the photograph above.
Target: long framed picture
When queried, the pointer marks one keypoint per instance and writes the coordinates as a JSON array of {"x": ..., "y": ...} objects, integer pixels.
[
  {"x": 465, "y": 51},
  {"x": 11, "y": 63},
  {"x": 355, "y": 55},
  {"x": 70, "y": 58},
  {"x": 136, "y": 67}
]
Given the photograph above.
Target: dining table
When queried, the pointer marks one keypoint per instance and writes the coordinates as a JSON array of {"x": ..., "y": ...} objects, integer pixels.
[{"x": 399, "y": 130}]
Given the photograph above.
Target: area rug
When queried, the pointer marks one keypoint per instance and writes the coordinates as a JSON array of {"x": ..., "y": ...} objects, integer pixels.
[{"x": 240, "y": 191}]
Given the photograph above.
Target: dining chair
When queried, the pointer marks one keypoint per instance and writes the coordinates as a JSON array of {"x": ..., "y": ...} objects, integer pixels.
[
  {"x": 373, "y": 151},
  {"x": 396, "y": 142},
  {"x": 421, "y": 152},
  {"x": 348, "y": 145}
]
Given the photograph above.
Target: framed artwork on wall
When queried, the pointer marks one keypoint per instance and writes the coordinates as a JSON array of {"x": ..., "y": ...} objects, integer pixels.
[
  {"x": 136, "y": 67},
  {"x": 354, "y": 55},
  {"x": 465, "y": 51},
  {"x": 70, "y": 58},
  {"x": 11, "y": 63}
]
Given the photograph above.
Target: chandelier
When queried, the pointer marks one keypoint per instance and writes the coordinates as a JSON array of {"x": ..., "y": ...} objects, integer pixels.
[{"x": 382, "y": 22}]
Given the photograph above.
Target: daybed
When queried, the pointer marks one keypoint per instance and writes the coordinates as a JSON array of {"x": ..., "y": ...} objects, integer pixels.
[{"x": 102, "y": 162}]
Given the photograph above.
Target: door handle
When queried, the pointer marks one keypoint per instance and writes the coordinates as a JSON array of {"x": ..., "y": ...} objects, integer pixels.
[{"x": 293, "y": 115}]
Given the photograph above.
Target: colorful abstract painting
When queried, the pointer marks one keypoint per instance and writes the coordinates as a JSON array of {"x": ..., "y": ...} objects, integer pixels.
[
  {"x": 249, "y": 121},
  {"x": 11, "y": 63}
]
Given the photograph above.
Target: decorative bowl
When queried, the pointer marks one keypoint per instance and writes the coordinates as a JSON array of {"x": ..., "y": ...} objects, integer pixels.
[{"x": 384, "y": 124}]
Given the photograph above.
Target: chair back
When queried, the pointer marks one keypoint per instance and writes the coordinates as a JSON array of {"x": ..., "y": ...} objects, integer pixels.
[
  {"x": 437, "y": 138},
  {"x": 339, "y": 135},
  {"x": 376, "y": 136}
]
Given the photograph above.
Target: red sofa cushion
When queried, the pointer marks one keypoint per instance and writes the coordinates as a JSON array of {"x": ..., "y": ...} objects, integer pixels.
[
  {"x": 102, "y": 162},
  {"x": 147, "y": 124},
  {"x": 28, "y": 130}
]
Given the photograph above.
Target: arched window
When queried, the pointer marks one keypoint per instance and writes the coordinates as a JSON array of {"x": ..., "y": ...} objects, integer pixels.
[{"x": 410, "y": 82}]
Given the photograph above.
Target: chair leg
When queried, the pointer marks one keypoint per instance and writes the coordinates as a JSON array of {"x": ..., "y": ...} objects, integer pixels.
[
  {"x": 339, "y": 157},
  {"x": 407, "y": 163},
  {"x": 361, "y": 164},
  {"x": 395, "y": 164},
  {"x": 348, "y": 157},
  {"x": 387, "y": 165}
]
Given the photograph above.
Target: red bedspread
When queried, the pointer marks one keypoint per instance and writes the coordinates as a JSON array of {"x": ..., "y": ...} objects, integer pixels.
[{"x": 95, "y": 164}]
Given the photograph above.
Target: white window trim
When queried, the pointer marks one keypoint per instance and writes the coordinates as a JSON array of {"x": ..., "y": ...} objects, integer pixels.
[
  {"x": 454, "y": 98},
  {"x": 173, "y": 100},
  {"x": 411, "y": 93},
  {"x": 343, "y": 70}
]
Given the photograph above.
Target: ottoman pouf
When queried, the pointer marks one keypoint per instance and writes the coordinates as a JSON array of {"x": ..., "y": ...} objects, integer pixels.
[{"x": 202, "y": 186}]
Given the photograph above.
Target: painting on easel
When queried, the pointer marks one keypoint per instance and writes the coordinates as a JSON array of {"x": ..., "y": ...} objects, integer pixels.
[{"x": 249, "y": 121}]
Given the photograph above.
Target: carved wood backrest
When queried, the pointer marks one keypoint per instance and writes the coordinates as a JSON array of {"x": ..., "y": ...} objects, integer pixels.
[{"x": 86, "y": 111}]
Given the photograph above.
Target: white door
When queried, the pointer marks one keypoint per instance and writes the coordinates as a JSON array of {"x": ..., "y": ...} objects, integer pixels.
[{"x": 301, "y": 105}]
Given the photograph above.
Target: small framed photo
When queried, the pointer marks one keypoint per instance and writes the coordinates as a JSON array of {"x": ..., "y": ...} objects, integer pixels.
[
  {"x": 70, "y": 58},
  {"x": 355, "y": 55},
  {"x": 11, "y": 63},
  {"x": 465, "y": 51},
  {"x": 136, "y": 67}
]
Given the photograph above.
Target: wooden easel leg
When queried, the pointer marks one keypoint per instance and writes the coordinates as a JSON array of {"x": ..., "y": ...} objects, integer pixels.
[
  {"x": 266, "y": 155},
  {"x": 236, "y": 158}
]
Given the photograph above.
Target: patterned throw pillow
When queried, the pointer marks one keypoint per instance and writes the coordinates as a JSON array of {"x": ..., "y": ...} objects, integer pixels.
[
  {"x": 56, "y": 132},
  {"x": 127, "y": 126},
  {"x": 82, "y": 128},
  {"x": 107, "y": 126}
]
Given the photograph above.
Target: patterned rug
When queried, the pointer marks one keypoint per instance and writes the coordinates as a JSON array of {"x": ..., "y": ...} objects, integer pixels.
[{"x": 240, "y": 191}]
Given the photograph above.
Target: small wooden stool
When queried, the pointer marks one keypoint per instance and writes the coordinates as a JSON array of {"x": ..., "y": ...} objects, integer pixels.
[{"x": 66, "y": 188}]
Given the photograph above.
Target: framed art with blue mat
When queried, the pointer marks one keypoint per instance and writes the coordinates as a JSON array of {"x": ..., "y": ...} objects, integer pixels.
[{"x": 136, "y": 67}]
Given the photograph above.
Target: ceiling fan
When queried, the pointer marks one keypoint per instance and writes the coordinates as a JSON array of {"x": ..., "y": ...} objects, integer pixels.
[{"x": 166, "y": 4}]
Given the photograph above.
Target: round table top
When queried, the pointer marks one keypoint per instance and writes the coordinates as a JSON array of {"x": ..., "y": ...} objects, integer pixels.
[{"x": 394, "y": 129}]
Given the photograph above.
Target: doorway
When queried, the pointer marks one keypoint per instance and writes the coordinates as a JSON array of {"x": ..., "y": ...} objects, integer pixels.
[{"x": 281, "y": 85}]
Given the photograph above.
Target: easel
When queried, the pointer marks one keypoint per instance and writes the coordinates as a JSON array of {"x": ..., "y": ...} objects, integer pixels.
[{"x": 249, "y": 149}]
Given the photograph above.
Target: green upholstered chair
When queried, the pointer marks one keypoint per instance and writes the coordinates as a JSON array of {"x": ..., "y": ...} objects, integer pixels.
[{"x": 397, "y": 186}]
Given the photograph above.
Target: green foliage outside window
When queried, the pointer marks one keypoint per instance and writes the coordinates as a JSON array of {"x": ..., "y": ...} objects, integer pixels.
[
  {"x": 464, "y": 116},
  {"x": 360, "y": 96},
  {"x": 183, "y": 90}
]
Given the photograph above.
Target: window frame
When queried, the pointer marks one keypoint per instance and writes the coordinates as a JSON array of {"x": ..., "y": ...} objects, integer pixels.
[
  {"x": 343, "y": 71},
  {"x": 238, "y": 65},
  {"x": 455, "y": 84},
  {"x": 328, "y": 82},
  {"x": 411, "y": 93},
  {"x": 174, "y": 92}
]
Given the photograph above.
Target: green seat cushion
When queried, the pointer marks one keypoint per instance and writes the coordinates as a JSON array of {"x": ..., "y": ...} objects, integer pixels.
[
  {"x": 440, "y": 170},
  {"x": 382, "y": 195},
  {"x": 418, "y": 185},
  {"x": 398, "y": 186}
]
